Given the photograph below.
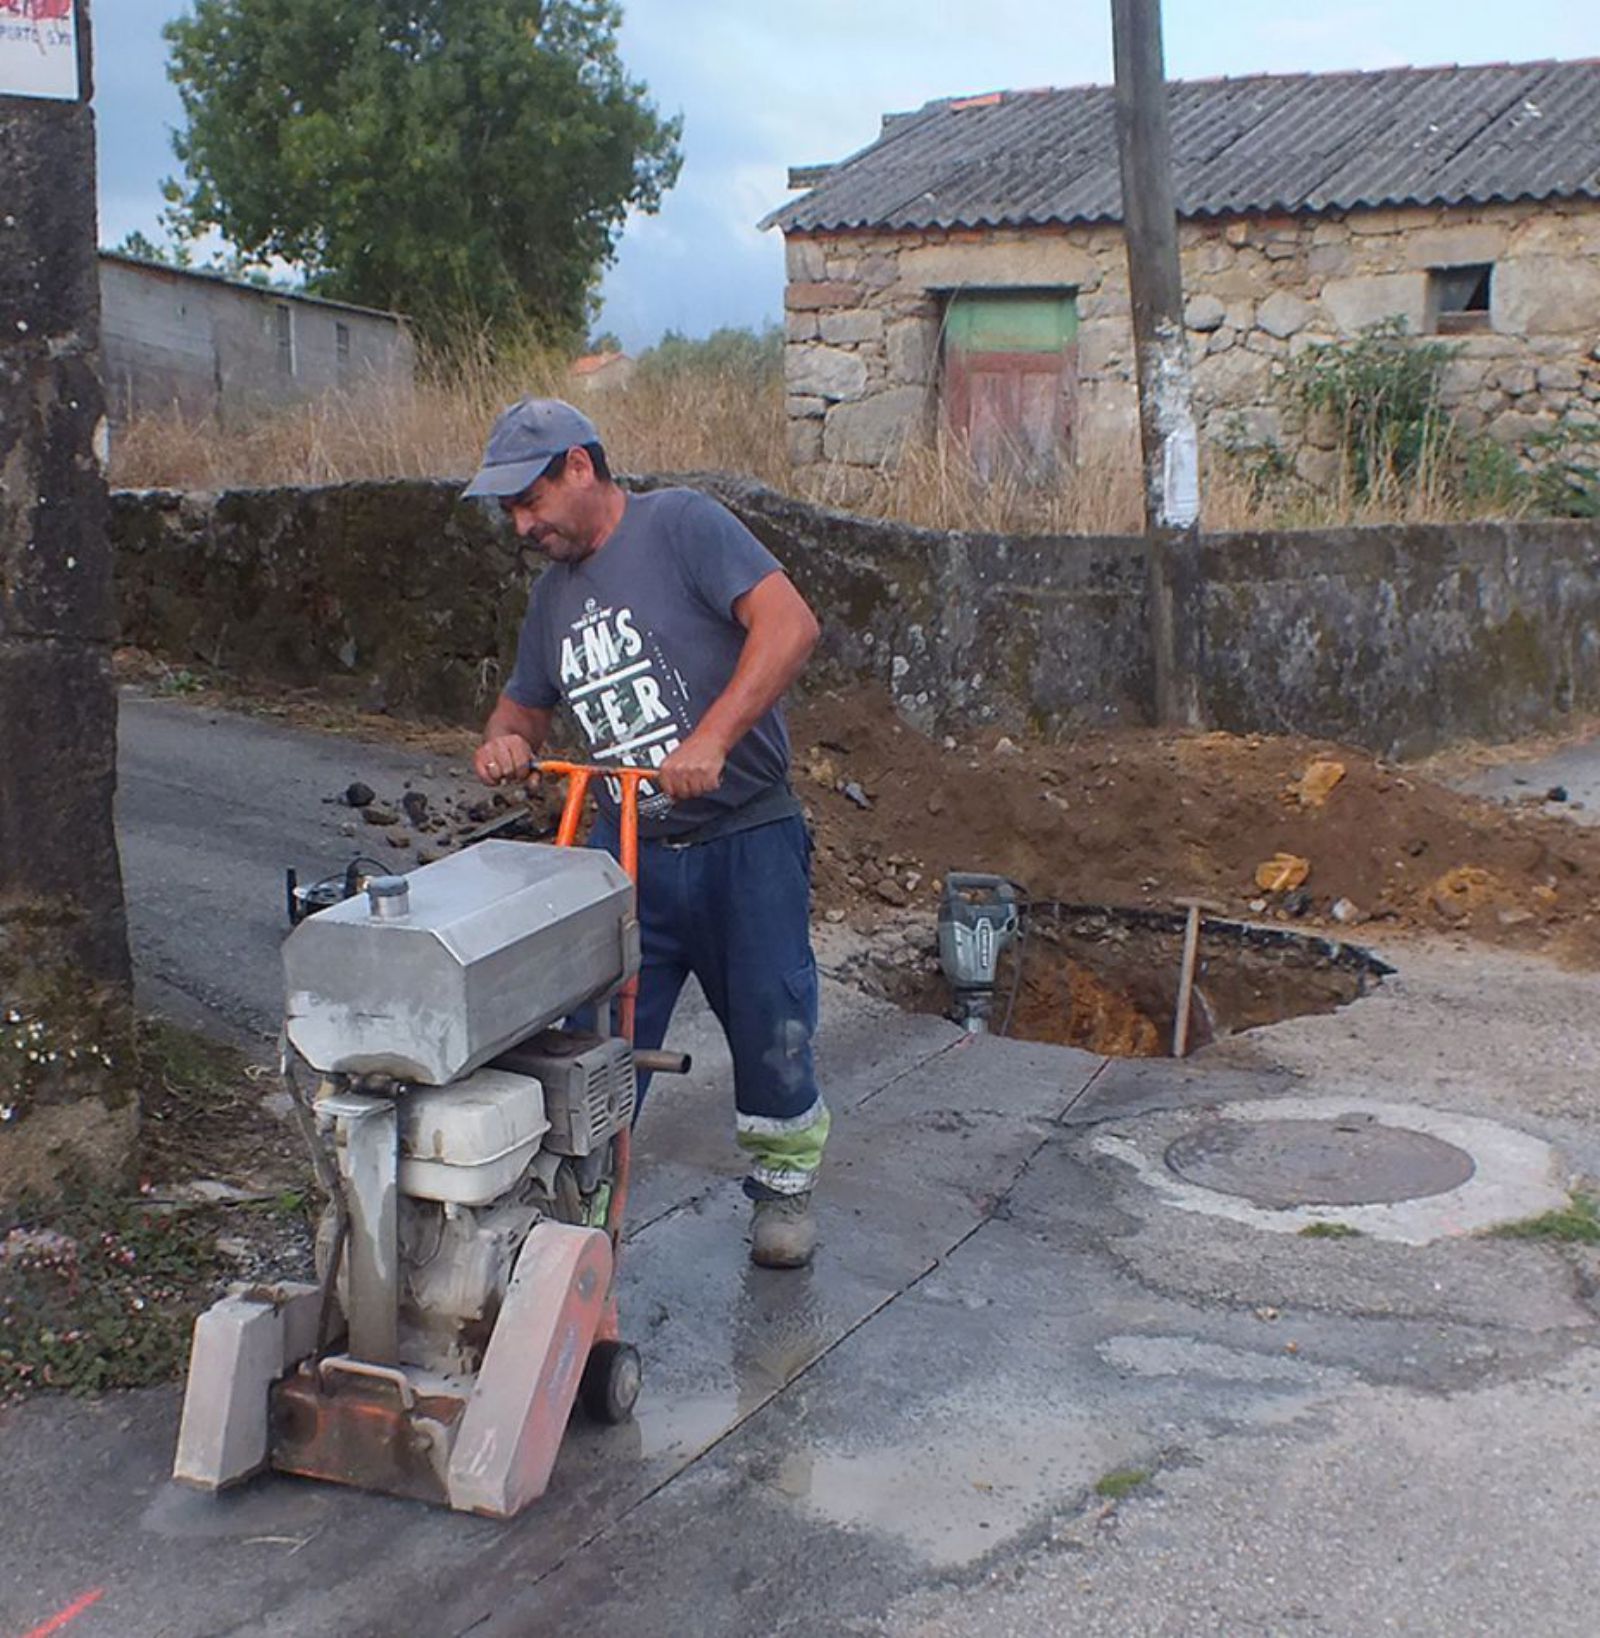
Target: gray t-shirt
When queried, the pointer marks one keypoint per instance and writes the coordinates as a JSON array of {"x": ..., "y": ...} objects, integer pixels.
[{"x": 640, "y": 638}]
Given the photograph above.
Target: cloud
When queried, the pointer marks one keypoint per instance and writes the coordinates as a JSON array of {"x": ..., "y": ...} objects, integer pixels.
[
  {"x": 136, "y": 109},
  {"x": 765, "y": 87}
]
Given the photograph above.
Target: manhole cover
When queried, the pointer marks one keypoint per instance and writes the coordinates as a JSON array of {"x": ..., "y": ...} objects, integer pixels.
[{"x": 1347, "y": 1161}]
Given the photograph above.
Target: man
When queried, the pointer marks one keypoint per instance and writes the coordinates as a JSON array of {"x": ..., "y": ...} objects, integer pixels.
[{"x": 671, "y": 633}]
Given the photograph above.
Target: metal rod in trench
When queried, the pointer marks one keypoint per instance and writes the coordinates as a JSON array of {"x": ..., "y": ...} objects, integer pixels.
[{"x": 1191, "y": 948}]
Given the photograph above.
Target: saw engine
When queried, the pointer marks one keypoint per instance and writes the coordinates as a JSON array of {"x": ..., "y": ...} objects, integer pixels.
[{"x": 474, "y": 1154}]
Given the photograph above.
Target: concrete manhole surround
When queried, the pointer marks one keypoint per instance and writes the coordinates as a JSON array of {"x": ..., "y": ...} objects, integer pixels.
[{"x": 1426, "y": 1174}]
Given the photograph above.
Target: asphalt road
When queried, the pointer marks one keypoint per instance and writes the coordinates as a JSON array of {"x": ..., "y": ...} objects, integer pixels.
[
  {"x": 1565, "y": 781},
  {"x": 1022, "y": 1391},
  {"x": 212, "y": 808}
]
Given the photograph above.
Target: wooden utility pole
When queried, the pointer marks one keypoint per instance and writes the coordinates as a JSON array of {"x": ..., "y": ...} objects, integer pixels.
[
  {"x": 68, "y": 1111},
  {"x": 1166, "y": 414}
]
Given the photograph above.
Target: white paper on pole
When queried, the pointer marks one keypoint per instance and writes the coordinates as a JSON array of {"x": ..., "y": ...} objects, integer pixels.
[
  {"x": 39, "y": 49},
  {"x": 1181, "y": 488}
]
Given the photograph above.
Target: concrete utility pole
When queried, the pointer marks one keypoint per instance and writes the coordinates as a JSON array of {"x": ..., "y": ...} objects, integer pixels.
[
  {"x": 1166, "y": 414},
  {"x": 68, "y": 1110}
]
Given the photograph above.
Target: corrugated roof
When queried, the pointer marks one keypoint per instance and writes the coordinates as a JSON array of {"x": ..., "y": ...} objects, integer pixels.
[
  {"x": 268, "y": 292},
  {"x": 1268, "y": 143}
]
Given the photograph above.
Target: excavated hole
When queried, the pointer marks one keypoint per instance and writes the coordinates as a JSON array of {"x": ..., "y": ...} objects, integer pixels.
[{"x": 1105, "y": 978}]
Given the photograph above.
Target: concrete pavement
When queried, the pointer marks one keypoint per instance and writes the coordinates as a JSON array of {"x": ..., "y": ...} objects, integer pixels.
[{"x": 1007, "y": 1326}]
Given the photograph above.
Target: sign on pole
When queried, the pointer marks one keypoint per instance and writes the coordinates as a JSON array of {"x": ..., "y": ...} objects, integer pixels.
[{"x": 39, "y": 49}]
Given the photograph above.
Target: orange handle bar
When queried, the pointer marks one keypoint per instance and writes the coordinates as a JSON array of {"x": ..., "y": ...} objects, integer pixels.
[{"x": 577, "y": 776}]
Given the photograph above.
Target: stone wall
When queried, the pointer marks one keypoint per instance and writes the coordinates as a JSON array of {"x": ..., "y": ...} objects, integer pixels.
[
  {"x": 395, "y": 591},
  {"x": 864, "y": 312},
  {"x": 1397, "y": 638},
  {"x": 68, "y": 1104}
]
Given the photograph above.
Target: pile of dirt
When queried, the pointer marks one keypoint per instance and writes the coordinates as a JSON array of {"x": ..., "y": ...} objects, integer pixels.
[
  {"x": 1148, "y": 817},
  {"x": 1138, "y": 817}
]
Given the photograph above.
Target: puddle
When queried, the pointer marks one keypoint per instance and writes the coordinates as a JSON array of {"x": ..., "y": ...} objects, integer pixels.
[
  {"x": 1105, "y": 978},
  {"x": 961, "y": 1488}
]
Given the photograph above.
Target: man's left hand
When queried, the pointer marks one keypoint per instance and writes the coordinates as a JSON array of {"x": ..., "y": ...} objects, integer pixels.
[{"x": 692, "y": 770}]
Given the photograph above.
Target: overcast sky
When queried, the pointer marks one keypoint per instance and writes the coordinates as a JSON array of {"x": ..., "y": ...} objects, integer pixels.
[{"x": 763, "y": 86}]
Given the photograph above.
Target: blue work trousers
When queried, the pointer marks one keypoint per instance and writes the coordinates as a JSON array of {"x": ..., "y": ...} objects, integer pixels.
[{"x": 736, "y": 912}]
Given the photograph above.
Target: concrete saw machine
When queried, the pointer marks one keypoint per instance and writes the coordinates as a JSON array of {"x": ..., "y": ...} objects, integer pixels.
[{"x": 475, "y": 1156}]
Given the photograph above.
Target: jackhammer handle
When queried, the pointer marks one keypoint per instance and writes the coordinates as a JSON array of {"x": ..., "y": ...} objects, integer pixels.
[{"x": 969, "y": 881}]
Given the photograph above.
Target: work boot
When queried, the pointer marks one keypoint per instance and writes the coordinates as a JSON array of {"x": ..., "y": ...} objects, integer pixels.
[{"x": 783, "y": 1233}]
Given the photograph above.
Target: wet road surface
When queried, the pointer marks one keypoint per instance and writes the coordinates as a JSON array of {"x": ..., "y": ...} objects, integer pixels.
[{"x": 932, "y": 1429}]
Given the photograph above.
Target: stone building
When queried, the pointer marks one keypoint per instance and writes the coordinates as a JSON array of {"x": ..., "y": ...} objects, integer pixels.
[
  {"x": 205, "y": 344},
  {"x": 968, "y": 267}
]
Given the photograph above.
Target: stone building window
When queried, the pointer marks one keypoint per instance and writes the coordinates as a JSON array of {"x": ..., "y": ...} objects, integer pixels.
[
  {"x": 1458, "y": 298},
  {"x": 1010, "y": 376},
  {"x": 341, "y": 351}
]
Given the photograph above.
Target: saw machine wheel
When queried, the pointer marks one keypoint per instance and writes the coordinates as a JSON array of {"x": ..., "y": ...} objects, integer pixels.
[{"x": 611, "y": 1381}]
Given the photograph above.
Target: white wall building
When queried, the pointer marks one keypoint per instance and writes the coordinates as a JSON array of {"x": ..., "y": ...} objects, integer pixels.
[{"x": 208, "y": 345}]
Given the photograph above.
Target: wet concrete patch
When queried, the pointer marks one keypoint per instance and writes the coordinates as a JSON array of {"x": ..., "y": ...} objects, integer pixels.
[
  {"x": 971, "y": 1419},
  {"x": 1430, "y": 1514}
]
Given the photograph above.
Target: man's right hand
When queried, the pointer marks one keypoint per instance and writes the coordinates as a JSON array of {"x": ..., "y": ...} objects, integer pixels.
[{"x": 507, "y": 756}]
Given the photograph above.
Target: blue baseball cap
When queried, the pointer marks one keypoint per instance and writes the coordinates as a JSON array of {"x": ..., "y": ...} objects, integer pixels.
[{"x": 525, "y": 439}]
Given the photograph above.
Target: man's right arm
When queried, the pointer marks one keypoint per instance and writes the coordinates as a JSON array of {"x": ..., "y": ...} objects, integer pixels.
[{"x": 512, "y": 737}]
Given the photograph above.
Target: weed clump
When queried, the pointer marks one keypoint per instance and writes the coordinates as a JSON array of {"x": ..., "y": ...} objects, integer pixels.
[
  {"x": 1120, "y": 1482},
  {"x": 103, "y": 1295},
  {"x": 1577, "y": 1223}
]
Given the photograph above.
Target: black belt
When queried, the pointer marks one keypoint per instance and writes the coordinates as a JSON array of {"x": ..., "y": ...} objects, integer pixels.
[{"x": 765, "y": 808}]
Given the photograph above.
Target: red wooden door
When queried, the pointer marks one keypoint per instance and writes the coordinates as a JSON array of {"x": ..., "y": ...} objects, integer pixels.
[{"x": 1010, "y": 378}]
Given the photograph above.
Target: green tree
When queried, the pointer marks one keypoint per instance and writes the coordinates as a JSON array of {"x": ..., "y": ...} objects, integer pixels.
[
  {"x": 138, "y": 245},
  {"x": 733, "y": 350},
  {"x": 1384, "y": 392},
  {"x": 458, "y": 160}
]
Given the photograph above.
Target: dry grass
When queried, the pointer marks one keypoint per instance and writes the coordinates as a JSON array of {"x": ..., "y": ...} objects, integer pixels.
[
  {"x": 934, "y": 484},
  {"x": 728, "y": 420},
  {"x": 693, "y": 421}
]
